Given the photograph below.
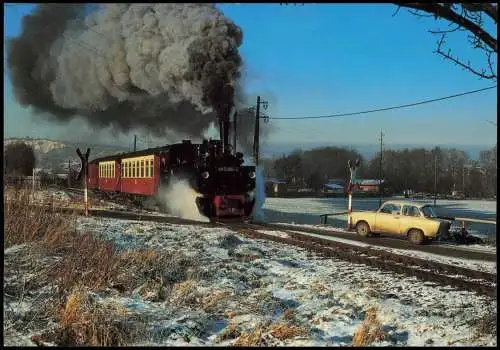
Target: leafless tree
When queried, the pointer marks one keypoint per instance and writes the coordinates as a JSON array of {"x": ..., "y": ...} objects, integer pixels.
[{"x": 472, "y": 18}]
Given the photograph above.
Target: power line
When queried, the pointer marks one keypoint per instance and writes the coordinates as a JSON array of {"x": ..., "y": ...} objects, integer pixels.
[{"x": 388, "y": 108}]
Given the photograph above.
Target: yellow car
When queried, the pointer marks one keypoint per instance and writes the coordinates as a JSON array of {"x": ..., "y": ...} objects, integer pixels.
[{"x": 416, "y": 221}]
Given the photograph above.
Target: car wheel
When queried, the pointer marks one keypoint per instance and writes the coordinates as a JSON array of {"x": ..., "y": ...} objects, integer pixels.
[
  {"x": 416, "y": 236},
  {"x": 362, "y": 229}
]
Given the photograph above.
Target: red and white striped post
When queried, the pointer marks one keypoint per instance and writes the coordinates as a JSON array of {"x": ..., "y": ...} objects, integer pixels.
[
  {"x": 349, "y": 219},
  {"x": 352, "y": 181}
]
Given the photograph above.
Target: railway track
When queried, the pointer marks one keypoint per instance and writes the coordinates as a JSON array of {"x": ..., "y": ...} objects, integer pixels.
[
  {"x": 483, "y": 283},
  {"x": 430, "y": 271}
]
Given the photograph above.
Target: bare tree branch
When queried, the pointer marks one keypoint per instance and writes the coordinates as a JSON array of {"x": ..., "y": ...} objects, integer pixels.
[
  {"x": 463, "y": 17},
  {"x": 446, "y": 12},
  {"x": 490, "y": 9},
  {"x": 467, "y": 66},
  {"x": 396, "y": 12}
]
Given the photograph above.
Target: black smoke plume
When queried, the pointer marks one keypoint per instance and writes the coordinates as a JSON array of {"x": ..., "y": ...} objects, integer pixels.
[{"x": 152, "y": 66}]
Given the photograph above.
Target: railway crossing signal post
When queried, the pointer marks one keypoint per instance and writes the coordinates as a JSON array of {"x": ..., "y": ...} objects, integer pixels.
[
  {"x": 85, "y": 161},
  {"x": 352, "y": 182}
]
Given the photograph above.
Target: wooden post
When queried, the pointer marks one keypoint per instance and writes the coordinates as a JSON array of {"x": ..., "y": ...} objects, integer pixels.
[
  {"x": 349, "y": 223},
  {"x": 256, "y": 133},
  {"x": 85, "y": 196}
]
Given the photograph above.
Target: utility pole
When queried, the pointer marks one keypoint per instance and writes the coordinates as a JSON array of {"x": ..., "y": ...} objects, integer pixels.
[
  {"x": 135, "y": 143},
  {"x": 435, "y": 177},
  {"x": 380, "y": 169},
  {"x": 256, "y": 133},
  {"x": 257, "y": 129}
]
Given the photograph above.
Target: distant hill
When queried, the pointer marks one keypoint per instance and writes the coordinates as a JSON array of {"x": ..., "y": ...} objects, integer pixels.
[{"x": 54, "y": 155}]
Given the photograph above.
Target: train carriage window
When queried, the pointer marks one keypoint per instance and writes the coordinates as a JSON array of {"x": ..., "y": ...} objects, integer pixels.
[
  {"x": 148, "y": 174},
  {"x": 133, "y": 168},
  {"x": 151, "y": 168},
  {"x": 140, "y": 168},
  {"x": 125, "y": 169},
  {"x": 143, "y": 173}
]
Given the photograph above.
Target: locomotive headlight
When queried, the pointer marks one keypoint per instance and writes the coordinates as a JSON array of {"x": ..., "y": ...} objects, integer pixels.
[
  {"x": 205, "y": 174},
  {"x": 251, "y": 174}
]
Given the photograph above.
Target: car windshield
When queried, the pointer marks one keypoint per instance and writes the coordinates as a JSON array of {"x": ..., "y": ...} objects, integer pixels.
[{"x": 428, "y": 212}]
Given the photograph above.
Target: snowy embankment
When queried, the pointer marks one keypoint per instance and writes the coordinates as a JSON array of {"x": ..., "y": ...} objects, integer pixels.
[{"x": 258, "y": 292}]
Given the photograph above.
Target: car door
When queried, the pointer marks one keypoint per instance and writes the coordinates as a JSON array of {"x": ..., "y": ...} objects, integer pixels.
[
  {"x": 410, "y": 217},
  {"x": 387, "y": 218}
]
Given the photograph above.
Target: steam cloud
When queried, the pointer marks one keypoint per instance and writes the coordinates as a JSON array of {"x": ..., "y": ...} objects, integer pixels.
[
  {"x": 150, "y": 66},
  {"x": 180, "y": 200}
]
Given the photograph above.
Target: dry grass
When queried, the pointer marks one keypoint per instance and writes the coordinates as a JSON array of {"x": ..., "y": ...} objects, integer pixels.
[
  {"x": 184, "y": 293},
  {"x": 83, "y": 322},
  {"x": 253, "y": 338},
  {"x": 284, "y": 331},
  {"x": 85, "y": 262},
  {"x": 370, "y": 331},
  {"x": 24, "y": 222},
  {"x": 209, "y": 302}
]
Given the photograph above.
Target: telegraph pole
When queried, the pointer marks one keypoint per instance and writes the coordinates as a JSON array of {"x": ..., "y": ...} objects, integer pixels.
[
  {"x": 256, "y": 133},
  {"x": 435, "y": 177},
  {"x": 135, "y": 143},
  {"x": 257, "y": 129},
  {"x": 380, "y": 168}
]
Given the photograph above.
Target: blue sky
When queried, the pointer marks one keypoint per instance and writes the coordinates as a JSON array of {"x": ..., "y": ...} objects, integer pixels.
[{"x": 335, "y": 58}]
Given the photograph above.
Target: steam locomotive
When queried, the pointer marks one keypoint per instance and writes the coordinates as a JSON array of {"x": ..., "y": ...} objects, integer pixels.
[{"x": 225, "y": 186}]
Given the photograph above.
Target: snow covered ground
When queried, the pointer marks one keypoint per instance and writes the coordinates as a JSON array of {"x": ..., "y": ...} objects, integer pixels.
[{"x": 255, "y": 283}]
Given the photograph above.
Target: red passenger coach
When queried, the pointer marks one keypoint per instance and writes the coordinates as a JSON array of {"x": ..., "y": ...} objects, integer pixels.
[
  {"x": 109, "y": 176},
  {"x": 140, "y": 175}
]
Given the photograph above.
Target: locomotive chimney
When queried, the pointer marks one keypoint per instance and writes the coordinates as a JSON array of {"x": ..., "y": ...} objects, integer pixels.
[{"x": 224, "y": 125}]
